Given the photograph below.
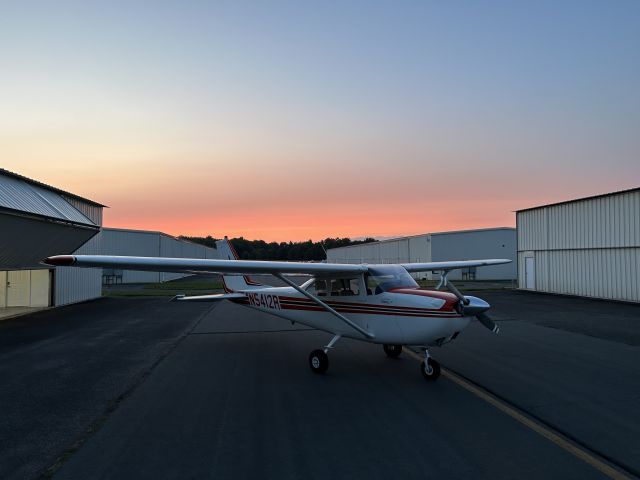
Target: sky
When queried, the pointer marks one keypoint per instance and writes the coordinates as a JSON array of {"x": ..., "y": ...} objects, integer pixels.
[{"x": 295, "y": 120}]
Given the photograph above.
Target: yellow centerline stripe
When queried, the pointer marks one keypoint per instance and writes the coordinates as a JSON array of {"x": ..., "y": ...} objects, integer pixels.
[{"x": 560, "y": 441}]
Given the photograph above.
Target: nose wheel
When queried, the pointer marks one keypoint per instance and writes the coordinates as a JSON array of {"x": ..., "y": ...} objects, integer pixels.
[{"x": 429, "y": 368}]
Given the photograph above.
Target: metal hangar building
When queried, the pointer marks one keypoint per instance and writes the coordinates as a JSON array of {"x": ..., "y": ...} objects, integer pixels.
[
  {"x": 441, "y": 246},
  {"x": 144, "y": 243},
  {"x": 586, "y": 247},
  {"x": 38, "y": 220}
]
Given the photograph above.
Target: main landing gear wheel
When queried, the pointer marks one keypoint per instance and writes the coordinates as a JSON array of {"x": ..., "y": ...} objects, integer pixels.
[
  {"x": 430, "y": 369},
  {"x": 392, "y": 351},
  {"x": 318, "y": 361}
]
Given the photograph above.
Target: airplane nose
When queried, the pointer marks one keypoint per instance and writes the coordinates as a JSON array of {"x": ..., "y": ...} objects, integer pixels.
[{"x": 475, "y": 306}]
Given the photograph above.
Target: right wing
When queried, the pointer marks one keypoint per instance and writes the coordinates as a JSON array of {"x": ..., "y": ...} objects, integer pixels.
[{"x": 453, "y": 265}]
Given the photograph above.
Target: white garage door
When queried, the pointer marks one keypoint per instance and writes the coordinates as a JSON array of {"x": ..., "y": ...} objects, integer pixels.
[
  {"x": 39, "y": 288},
  {"x": 3, "y": 289},
  {"x": 18, "y": 288},
  {"x": 25, "y": 288}
]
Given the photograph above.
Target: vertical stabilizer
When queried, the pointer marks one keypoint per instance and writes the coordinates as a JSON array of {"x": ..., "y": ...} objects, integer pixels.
[{"x": 233, "y": 282}]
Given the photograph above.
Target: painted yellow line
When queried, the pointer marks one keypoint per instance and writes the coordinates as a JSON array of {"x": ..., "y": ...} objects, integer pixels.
[{"x": 540, "y": 429}]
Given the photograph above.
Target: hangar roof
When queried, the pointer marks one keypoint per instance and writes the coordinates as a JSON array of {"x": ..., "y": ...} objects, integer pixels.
[
  {"x": 9, "y": 173},
  {"x": 611, "y": 194},
  {"x": 22, "y": 194},
  {"x": 40, "y": 221}
]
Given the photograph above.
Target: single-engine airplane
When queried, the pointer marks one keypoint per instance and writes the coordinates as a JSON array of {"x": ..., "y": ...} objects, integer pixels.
[{"x": 375, "y": 303}]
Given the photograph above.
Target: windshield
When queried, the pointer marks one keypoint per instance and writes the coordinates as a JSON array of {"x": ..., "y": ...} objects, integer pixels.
[{"x": 384, "y": 278}]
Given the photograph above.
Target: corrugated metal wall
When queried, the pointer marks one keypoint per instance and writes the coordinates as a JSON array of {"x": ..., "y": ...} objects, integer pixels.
[
  {"x": 588, "y": 248},
  {"x": 78, "y": 284},
  {"x": 401, "y": 250},
  {"x": 72, "y": 285},
  {"x": 463, "y": 245},
  {"x": 474, "y": 245},
  {"x": 174, "y": 248},
  {"x": 91, "y": 211},
  {"x": 150, "y": 244}
]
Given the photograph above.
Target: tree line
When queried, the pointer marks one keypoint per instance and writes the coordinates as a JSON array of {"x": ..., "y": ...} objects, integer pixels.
[{"x": 294, "y": 251}]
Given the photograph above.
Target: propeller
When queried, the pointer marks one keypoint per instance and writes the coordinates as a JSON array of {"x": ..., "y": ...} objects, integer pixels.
[
  {"x": 471, "y": 306},
  {"x": 485, "y": 320}
]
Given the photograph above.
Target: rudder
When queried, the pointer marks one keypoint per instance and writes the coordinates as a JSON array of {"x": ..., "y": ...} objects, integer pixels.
[{"x": 232, "y": 283}]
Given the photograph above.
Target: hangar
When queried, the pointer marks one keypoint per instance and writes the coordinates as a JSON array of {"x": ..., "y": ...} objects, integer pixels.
[
  {"x": 144, "y": 243},
  {"x": 433, "y": 247},
  {"x": 587, "y": 247},
  {"x": 38, "y": 220}
]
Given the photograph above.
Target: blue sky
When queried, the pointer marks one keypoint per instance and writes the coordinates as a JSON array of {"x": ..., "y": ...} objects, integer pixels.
[{"x": 467, "y": 110}]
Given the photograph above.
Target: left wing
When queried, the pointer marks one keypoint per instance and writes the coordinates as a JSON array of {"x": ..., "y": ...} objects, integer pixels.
[
  {"x": 196, "y": 265},
  {"x": 446, "y": 266}
]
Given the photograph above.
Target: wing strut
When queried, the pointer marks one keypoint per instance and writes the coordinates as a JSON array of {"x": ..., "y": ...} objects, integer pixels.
[{"x": 315, "y": 299}]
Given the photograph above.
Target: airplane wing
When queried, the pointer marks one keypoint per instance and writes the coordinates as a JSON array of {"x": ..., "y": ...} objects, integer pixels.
[
  {"x": 446, "y": 266},
  {"x": 195, "y": 265}
]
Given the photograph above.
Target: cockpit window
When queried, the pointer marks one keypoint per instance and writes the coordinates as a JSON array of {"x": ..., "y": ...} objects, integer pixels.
[{"x": 383, "y": 278}]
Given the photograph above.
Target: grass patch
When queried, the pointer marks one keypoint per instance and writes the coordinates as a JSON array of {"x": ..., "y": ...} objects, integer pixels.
[
  {"x": 157, "y": 293},
  {"x": 165, "y": 289}
]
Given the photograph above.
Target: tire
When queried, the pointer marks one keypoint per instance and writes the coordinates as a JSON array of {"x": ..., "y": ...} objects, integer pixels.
[
  {"x": 392, "y": 351},
  {"x": 435, "y": 370},
  {"x": 318, "y": 361}
]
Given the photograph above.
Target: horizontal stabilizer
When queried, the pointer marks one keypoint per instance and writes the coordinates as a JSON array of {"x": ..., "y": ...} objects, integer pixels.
[{"x": 207, "y": 298}]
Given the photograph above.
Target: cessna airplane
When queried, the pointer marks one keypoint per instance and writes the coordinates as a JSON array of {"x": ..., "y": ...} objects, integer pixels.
[{"x": 375, "y": 303}]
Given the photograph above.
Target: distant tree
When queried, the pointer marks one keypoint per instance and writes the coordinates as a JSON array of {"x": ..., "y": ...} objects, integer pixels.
[{"x": 300, "y": 251}]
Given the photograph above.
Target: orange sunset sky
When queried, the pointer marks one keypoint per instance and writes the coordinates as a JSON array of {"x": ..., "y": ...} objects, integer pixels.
[{"x": 307, "y": 121}]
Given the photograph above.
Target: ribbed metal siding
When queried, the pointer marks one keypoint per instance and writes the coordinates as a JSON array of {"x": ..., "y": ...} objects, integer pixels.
[
  {"x": 465, "y": 245},
  {"x": 74, "y": 285},
  {"x": 402, "y": 250},
  {"x": 19, "y": 195},
  {"x": 150, "y": 244},
  {"x": 132, "y": 243},
  {"x": 89, "y": 210},
  {"x": 592, "y": 247},
  {"x": 472, "y": 245}
]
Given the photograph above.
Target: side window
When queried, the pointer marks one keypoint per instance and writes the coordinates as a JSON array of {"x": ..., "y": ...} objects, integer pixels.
[
  {"x": 344, "y": 287},
  {"x": 354, "y": 286},
  {"x": 319, "y": 288},
  {"x": 372, "y": 285}
]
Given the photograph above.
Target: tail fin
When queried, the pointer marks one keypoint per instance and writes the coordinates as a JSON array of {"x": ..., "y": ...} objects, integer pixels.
[{"x": 232, "y": 283}]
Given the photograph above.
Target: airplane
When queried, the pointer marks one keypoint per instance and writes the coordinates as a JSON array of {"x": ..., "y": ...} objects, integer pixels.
[{"x": 380, "y": 304}]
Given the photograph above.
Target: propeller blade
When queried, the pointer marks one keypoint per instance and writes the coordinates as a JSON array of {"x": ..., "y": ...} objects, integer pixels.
[{"x": 485, "y": 320}]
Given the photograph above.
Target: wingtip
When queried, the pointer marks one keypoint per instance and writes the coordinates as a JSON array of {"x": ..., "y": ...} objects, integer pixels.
[{"x": 60, "y": 260}]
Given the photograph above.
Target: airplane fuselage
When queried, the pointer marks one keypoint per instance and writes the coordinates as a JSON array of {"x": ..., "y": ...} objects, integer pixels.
[{"x": 402, "y": 317}]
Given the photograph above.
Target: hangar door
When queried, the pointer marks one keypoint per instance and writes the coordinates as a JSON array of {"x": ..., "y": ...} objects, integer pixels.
[
  {"x": 530, "y": 272},
  {"x": 25, "y": 288}
]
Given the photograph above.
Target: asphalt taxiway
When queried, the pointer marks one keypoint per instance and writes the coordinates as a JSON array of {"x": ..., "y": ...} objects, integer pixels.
[{"x": 140, "y": 388}]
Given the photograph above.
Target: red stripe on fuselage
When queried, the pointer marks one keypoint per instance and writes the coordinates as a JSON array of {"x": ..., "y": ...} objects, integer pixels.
[
  {"x": 313, "y": 308},
  {"x": 336, "y": 303}
]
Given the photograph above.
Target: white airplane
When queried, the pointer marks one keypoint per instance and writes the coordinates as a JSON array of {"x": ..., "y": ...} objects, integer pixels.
[{"x": 375, "y": 303}]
